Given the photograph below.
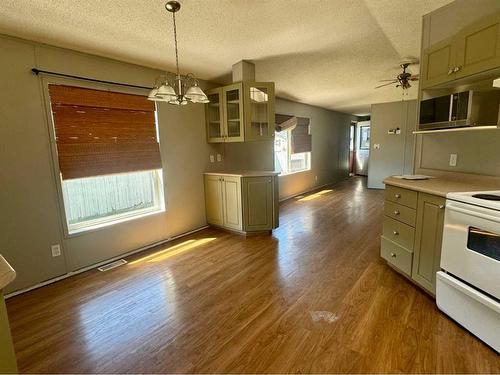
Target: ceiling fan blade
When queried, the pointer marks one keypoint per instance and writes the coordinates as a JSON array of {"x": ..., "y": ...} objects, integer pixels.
[{"x": 386, "y": 84}]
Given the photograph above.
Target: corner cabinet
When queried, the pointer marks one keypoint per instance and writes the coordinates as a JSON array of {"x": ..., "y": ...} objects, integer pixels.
[
  {"x": 412, "y": 234},
  {"x": 474, "y": 49},
  {"x": 245, "y": 203},
  {"x": 240, "y": 112}
]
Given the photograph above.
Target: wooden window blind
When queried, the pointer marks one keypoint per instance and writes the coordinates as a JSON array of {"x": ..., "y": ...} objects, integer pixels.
[
  {"x": 299, "y": 129},
  {"x": 102, "y": 132},
  {"x": 301, "y": 136}
]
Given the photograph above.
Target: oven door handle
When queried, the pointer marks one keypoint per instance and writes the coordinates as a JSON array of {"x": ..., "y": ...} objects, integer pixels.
[{"x": 480, "y": 215}]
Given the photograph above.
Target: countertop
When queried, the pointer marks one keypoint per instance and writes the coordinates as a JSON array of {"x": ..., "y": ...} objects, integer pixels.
[
  {"x": 446, "y": 184},
  {"x": 7, "y": 273},
  {"x": 243, "y": 173}
]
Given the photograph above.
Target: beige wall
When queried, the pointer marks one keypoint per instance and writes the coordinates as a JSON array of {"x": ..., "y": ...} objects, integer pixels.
[
  {"x": 330, "y": 148},
  {"x": 478, "y": 151},
  {"x": 329, "y": 157},
  {"x": 31, "y": 219}
]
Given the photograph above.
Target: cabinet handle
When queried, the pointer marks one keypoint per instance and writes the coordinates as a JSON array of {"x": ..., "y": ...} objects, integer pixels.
[
  {"x": 393, "y": 255},
  {"x": 396, "y": 212},
  {"x": 397, "y": 196},
  {"x": 396, "y": 233},
  {"x": 270, "y": 180},
  {"x": 441, "y": 206},
  {"x": 451, "y": 71},
  {"x": 457, "y": 68}
]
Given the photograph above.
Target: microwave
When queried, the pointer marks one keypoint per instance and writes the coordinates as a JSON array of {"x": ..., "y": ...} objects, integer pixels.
[{"x": 466, "y": 108}]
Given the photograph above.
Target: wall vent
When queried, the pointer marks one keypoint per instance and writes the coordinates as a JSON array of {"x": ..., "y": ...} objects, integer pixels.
[{"x": 112, "y": 265}]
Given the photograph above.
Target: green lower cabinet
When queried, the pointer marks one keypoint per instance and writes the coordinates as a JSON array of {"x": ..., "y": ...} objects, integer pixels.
[
  {"x": 428, "y": 239},
  {"x": 411, "y": 238},
  {"x": 258, "y": 203}
]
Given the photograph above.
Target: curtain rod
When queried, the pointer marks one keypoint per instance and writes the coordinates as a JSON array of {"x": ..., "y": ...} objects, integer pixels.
[{"x": 38, "y": 71}]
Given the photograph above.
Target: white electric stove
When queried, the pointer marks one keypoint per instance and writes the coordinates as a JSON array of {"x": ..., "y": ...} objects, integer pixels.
[{"x": 468, "y": 287}]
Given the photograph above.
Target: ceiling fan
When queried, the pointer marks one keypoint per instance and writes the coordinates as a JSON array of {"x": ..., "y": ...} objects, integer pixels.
[{"x": 402, "y": 79}]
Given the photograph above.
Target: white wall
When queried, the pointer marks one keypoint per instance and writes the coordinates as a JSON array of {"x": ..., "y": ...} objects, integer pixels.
[{"x": 31, "y": 219}]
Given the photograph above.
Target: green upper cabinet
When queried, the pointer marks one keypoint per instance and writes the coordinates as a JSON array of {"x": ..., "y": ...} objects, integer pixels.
[
  {"x": 475, "y": 49},
  {"x": 233, "y": 113},
  {"x": 478, "y": 46},
  {"x": 259, "y": 110},
  {"x": 240, "y": 112},
  {"x": 214, "y": 116},
  {"x": 437, "y": 63}
]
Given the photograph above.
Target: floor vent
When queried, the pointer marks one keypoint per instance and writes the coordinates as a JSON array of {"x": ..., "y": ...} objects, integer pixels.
[{"x": 112, "y": 265}]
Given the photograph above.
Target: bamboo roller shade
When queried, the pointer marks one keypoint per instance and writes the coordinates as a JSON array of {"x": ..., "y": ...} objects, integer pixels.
[
  {"x": 103, "y": 132},
  {"x": 299, "y": 129}
]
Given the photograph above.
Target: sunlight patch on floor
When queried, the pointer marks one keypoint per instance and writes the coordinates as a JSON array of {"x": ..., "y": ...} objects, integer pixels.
[
  {"x": 173, "y": 250},
  {"x": 315, "y": 195}
]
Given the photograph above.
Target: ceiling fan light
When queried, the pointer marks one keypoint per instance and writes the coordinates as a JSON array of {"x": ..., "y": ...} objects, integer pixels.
[
  {"x": 166, "y": 91},
  {"x": 153, "y": 94}
]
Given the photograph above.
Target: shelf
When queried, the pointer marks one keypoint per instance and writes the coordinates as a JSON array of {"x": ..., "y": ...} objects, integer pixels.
[
  {"x": 233, "y": 119},
  {"x": 233, "y": 101},
  {"x": 463, "y": 129},
  {"x": 214, "y": 122}
]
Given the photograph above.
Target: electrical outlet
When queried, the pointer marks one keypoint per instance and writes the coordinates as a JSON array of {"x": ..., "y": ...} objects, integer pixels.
[
  {"x": 376, "y": 146},
  {"x": 219, "y": 157},
  {"x": 56, "y": 250},
  {"x": 316, "y": 178},
  {"x": 453, "y": 160},
  {"x": 212, "y": 158}
]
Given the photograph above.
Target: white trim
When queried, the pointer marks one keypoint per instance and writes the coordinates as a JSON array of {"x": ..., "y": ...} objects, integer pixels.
[{"x": 96, "y": 265}]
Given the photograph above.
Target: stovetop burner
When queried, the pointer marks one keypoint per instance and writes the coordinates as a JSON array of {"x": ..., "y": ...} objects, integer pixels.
[{"x": 488, "y": 197}]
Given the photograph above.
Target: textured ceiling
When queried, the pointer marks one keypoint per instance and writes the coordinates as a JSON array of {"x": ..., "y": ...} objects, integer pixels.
[{"x": 329, "y": 53}]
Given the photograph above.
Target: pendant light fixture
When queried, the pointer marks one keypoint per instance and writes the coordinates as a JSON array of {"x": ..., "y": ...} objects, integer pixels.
[{"x": 177, "y": 89}]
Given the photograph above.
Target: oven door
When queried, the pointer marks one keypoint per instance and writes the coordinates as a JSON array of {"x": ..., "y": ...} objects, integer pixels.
[{"x": 471, "y": 246}]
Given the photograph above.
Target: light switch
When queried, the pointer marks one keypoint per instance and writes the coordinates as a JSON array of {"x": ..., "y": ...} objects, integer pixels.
[
  {"x": 212, "y": 158},
  {"x": 453, "y": 160},
  {"x": 219, "y": 157}
]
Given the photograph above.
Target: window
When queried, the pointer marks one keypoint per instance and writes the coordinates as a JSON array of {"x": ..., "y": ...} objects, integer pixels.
[
  {"x": 364, "y": 138},
  {"x": 108, "y": 154},
  {"x": 286, "y": 162}
]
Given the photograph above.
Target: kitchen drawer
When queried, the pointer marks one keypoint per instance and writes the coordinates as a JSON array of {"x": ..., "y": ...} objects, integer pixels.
[
  {"x": 402, "y": 196},
  {"x": 400, "y": 213},
  {"x": 396, "y": 255},
  {"x": 398, "y": 232}
]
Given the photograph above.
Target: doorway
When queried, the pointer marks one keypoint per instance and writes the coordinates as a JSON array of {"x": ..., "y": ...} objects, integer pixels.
[{"x": 359, "y": 148}]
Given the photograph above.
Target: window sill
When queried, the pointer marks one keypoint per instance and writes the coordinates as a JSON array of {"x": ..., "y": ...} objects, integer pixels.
[
  {"x": 93, "y": 226},
  {"x": 292, "y": 173}
]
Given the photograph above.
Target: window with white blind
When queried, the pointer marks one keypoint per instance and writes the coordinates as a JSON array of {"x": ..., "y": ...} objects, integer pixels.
[
  {"x": 292, "y": 144},
  {"x": 108, "y": 155}
]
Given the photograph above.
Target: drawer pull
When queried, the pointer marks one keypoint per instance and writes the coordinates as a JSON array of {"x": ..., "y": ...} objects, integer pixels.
[
  {"x": 397, "y": 196},
  {"x": 396, "y": 233},
  {"x": 441, "y": 206},
  {"x": 393, "y": 255},
  {"x": 396, "y": 212}
]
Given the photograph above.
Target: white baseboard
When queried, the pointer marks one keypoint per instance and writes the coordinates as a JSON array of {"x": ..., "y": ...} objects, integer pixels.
[{"x": 96, "y": 265}]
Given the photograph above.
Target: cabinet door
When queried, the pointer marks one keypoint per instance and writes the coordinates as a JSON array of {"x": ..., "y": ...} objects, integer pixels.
[
  {"x": 437, "y": 63},
  {"x": 259, "y": 110},
  {"x": 213, "y": 200},
  {"x": 213, "y": 116},
  {"x": 258, "y": 203},
  {"x": 478, "y": 46},
  {"x": 231, "y": 190},
  {"x": 233, "y": 113},
  {"x": 428, "y": 238}
]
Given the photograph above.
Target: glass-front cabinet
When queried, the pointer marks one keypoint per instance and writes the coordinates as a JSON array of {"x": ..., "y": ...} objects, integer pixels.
[
  {"x": 259, "y": 110},
  {"x": 233, "y": 113},
  {"x": 214, "y": 116},
  {"x": 240, "y": 112}
]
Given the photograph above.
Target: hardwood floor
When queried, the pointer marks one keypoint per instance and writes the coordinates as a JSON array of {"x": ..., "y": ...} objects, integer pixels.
[{"x": 314, "y": 297}]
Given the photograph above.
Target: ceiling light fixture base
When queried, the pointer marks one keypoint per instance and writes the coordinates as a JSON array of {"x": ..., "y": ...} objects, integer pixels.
[{"x": 173, "y": 6}]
